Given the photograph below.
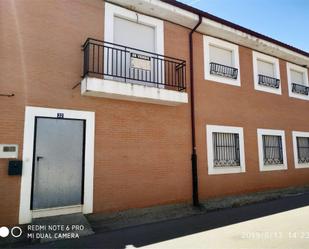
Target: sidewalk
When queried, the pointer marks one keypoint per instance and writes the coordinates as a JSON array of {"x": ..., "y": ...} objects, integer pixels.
[
  {"x": 134, "y": 217},
  {"x": 283, "y": 231},
  {"x": 232, "y": 227}
]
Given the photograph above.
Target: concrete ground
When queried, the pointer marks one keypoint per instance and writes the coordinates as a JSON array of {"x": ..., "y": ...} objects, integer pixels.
[
  {"x": 281, "y": 223},
  {"x": 135, "y": 217},
  {"x": 284, "y": 230}
]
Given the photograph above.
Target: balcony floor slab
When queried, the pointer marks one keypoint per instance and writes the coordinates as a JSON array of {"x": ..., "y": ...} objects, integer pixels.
[{"x": 112, "y": 89}]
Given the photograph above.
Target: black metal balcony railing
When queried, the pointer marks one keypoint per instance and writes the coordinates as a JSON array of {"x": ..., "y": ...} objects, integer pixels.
[
  {"x": 223, "y": 70},
  {"x": 125, "y": 64},
  {"x": 268, "y": 81},
  {"x": 300, "y": 89}
]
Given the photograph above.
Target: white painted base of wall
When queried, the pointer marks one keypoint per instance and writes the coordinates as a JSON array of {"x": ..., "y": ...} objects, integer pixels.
[{"x": 133, "y": 92}]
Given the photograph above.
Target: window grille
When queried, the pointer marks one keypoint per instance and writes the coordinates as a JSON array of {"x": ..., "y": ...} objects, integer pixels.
[
  {"x": 272, "y": 148},
  {"x": 223, "y": 70},
  {"x": 226, "y": 149},
  {"x": 268, "y": 81},
  {"x": 300, "y": 89},
  {"x": 303, "y": 149}
]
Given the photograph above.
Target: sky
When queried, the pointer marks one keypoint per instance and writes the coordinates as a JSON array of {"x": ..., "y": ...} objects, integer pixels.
[{"x": 283, "y": 20}]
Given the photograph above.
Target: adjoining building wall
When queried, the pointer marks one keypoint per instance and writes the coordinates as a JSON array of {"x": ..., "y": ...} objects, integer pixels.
[{"x": 222, "y": 104}]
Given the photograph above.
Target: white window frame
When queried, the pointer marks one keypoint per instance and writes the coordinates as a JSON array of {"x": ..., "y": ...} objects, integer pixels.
[
  {"x": 296, "y": 134},
  {"x": 263, "y": 57},
  {"x": 289, "y": 67},
  {"x": 112, "y": 10},
  {"x": 235, "y": 56},
  {"x": 210, "y": 129},
  {"x": 260, "y": 133}
]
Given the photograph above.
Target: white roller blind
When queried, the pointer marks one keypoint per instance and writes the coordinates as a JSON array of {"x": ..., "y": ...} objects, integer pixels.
[
  {"x": 297, "y": 77},
  {"x": 134, "y": 34},
  {"x": 221, "y": 56},
  {"x": 266, "y": 68}
]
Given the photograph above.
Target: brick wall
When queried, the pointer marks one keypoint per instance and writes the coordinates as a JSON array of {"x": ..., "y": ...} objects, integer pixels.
[{"x": 141, "y": 150}]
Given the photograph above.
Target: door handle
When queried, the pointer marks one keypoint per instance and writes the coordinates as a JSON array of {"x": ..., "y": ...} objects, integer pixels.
[{"x": 38, "y": 158}]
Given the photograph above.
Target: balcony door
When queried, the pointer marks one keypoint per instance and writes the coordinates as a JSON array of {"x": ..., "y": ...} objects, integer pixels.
[{"x": 133, "y": 61}]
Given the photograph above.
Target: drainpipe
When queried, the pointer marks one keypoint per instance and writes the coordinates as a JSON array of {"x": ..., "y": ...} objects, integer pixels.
[{"x": 195, "y": 198}]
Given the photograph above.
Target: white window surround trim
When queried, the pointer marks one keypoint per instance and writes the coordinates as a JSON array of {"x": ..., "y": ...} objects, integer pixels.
[
  {"x": 25, "y": 214},
  {"x": 209, "y": 138},
  {"x": 259, "y": 56},
  {"x": 296, "y": 134},
  {"x": 112, "y": 10},
  {"x": 208, "y": 40},
  {"x": 289, "y": 67},
  {"x": 271, "y": 132}
]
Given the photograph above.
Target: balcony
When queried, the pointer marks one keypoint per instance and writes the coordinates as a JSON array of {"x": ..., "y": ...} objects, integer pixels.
[
  {"x": 268, "y": 81},
  {"x": 222, "y": 70},
  {"x": 300, "y": 89},
  {"x": 120, "y": 72}
]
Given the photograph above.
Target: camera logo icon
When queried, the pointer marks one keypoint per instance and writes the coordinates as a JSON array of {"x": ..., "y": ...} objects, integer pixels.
[{"x": 16, "y": 232}]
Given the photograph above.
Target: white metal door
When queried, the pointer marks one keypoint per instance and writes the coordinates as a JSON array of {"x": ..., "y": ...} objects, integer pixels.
[{"x": 58, "y": 163}]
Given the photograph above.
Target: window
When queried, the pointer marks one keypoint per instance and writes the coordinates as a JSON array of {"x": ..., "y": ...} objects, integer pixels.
[
  {"x": 297, "y": 77},
  {"x": 221, "y": 61},
  {"x": 272, "y": 151},
  {"x": 225, "y": 149},
  {"x": 266, "y": 68},
  {"x": 301, "y": 149},
  {"x": 298, "y": 81},
  {"x": 266, "y": 73},
  {"x": 221, "y": 56},
  {"x": 121, "y": 23}
]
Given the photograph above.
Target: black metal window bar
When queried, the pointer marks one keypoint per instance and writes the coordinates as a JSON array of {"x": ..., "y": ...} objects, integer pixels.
[
  {"x": 272, "y": 148},
  {"x": 268, "y": 81},
  {"x": 300, "y": 89},
  {"x": 222, "y": 70},
  {"x": 226, "y": 149},
  {"x": 131, "y": 65},
  {"x": 303, "y": 149}
]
